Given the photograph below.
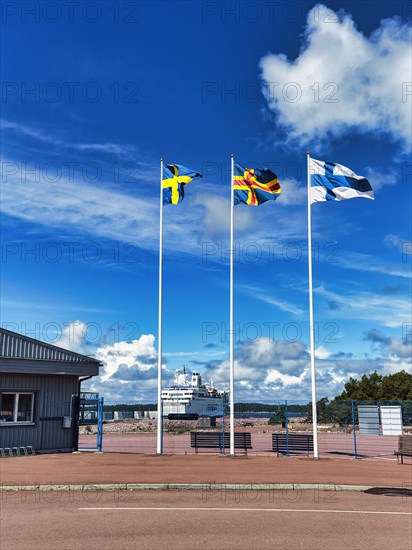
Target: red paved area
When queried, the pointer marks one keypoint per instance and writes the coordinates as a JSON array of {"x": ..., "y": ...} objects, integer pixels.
[
  {"x": 90, "y": 468},
  {"x": 152, "y": 520}
]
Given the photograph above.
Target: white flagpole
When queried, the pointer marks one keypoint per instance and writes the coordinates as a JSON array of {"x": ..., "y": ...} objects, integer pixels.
[
  {"x": 231, "y": 329},
  {"x": 311, "y": 322},
  {"x": 159, "y": 333}
]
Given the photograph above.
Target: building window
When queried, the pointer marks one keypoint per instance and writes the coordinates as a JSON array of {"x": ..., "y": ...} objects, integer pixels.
[{"x": 16, "y": 407}]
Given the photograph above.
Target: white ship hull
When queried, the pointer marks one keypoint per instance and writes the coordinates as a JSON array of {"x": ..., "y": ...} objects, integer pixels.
[
  {"x": 201, "y": 406},
  {"x": 193, "y": 398}
]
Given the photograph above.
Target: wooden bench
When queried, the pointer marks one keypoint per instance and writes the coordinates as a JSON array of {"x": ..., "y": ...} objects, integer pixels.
[
  {"x": 404, "y": 447},
  {"x": 214, "y": 440},
  {"x": 293, "y": 443}
]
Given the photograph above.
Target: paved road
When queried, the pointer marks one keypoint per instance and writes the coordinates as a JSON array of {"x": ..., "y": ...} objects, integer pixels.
[{"x": 206, "y": 520}]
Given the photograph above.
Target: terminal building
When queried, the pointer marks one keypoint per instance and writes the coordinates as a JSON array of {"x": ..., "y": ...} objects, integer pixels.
[{"x": 39, "y": 393}]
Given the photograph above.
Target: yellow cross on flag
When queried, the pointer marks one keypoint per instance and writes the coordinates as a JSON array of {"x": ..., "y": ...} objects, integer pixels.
[{"x": 174, "y": 178}]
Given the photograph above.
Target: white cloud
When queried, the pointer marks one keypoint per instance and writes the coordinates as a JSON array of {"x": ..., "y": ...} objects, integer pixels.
[
  {"x": 26, "y": 130},
  {"x": 83, "y": 207},
  {"x": 139, "y": 355},
  {"x": 394, "y": 241},
  {"x": 293, "y": 193},
  {"x": 255, "y": 360},
  {"x": 270, "y": 371},
  {"x": 366, "y": 262},
  {"x": 259, "y": 294},
  {"x": 401, "y": 349},
  {"x": 394, "y": 348},
  {"x": 73, "y": 337},
  {"x": 378, "y": 179},
  {"x": 112, "y": 148},
  {"x": 387, "y": 310},
  {"x": 193, "y": 354},
  {"x": 26, "y": 305},
  {"x": 216, "y": 213},
  {"x": 342, "y": 80},
  {"x": 274, "y": 376},
  {"x": 322, "y": 353}
]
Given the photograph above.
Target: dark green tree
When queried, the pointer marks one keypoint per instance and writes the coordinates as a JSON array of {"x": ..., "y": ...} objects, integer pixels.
[
  {"x": 376, "y": 386},
  {"x": 397, "y": 386},
  {"x": 322, "y": 409},
  {"x": 279, "y": 417}
]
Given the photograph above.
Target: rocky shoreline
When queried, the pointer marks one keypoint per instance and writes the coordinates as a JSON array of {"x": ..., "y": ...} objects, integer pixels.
[{"x": 177, "y": 427}]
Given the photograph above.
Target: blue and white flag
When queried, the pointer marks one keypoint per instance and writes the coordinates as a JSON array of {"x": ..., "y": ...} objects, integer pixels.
[{"x": 334, "y": 182}]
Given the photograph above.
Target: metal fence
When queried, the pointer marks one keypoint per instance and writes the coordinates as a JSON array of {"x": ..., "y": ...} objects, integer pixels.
[{"x": 340, "y": 430}]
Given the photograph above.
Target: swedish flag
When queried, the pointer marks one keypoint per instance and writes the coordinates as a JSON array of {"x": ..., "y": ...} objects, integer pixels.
[{"x": 174, "y": 179}]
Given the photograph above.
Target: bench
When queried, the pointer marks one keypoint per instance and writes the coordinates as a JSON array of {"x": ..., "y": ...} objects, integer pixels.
[
  {"x": 293, "y": 443},
  {"x": 214, "y": 440},
  {"x": 404, "y": 447}
]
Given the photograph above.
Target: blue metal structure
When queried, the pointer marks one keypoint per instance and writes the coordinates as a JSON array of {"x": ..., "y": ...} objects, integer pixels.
[
  {"x": 287, "y": 428},
  {"x": 223, "y": 428},
  {"x": 354, "y": 431},
  {"x": 91, "y": 412}
]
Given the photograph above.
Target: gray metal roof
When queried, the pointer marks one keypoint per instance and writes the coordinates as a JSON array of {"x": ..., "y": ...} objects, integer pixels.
[{"x": 19, "y": 353}]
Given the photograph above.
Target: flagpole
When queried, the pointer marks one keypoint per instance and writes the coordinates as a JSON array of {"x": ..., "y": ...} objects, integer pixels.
[
  {"x": 311, "y": 322},
  {"x": 159, "y": 449},
  {"x": 231, "y": 329}
]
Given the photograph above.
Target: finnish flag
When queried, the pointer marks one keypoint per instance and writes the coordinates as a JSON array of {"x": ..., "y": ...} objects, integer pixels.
[{"x": 334, "y": 182}]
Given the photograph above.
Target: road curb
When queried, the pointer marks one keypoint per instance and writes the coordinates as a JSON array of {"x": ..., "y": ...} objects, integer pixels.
[{"x": 193, "y": 487}]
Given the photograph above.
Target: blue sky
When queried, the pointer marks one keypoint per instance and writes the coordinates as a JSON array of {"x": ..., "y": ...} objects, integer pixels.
[{"x": 94, "y": 94}]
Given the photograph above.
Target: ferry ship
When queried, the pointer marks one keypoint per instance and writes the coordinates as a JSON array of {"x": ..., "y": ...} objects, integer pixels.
[{"x": 189, "y": 399}]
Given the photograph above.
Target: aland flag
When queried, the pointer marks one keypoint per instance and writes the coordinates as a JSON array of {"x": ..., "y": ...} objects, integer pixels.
[
  {"x": 334, "y": 182},
  {"x": 254, "y": 186}
]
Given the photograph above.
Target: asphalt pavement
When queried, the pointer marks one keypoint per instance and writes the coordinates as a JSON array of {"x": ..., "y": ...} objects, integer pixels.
[{"x": 183, "y": 520}]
